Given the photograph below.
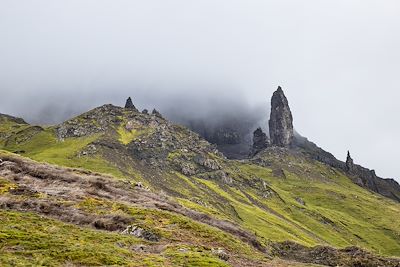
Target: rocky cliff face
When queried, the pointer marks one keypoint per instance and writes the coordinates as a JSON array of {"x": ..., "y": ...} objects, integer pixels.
[
  {"x": 232, "y": 136},
  {"x": 281, "y": 120}
]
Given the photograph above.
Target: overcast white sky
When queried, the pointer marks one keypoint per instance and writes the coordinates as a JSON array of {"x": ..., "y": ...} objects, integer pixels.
[{"x": 338, "y": 62}]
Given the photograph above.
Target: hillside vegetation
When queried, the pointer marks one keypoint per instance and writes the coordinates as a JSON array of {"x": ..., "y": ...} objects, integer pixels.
[{"x": 209, "y": 206}]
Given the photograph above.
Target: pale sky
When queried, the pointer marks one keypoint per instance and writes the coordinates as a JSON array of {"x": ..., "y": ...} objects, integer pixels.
[{"x": 337, "y": 61}]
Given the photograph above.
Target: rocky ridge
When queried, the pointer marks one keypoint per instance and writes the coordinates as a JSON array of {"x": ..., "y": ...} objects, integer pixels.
[
  {"x": 361, "y": 176},
  {"x": 158, "y": 145},
  {"x": 5, "y": 117},
  {"x": 146, "y": 138}
]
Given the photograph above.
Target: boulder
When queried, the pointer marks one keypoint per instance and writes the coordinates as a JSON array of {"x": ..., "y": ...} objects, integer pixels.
[
  {"x": 140, "y": 232},
  {"x": 220, "y": 253}
]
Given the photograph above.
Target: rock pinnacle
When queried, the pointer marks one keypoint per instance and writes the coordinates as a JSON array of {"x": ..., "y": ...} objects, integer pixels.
[
  {"x": 281, "y": 120},
  {"x": 349, "y": 162},
  {"x": 260, "y": 139},
  {"x": 129, "y": 104}
]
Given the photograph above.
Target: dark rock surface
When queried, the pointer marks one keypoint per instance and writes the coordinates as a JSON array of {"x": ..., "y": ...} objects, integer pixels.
[
  {"x": 232, "y": 138},
  {"x": 349, "y": 163},
  {"x": 231, "y": 132},
  {"x": 260, "y": 140},
  {"x": 281, "y": 120},
  {"x": 156, "y": 113},
  {"x": 129, "y": 104}
]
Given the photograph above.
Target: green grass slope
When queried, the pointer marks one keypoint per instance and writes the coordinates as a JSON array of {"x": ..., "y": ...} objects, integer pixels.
[{"x": 45, "y": 220}]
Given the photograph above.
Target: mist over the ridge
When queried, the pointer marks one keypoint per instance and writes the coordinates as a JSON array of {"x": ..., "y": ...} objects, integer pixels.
[
  {"x": 181, "y": 107},
  {"x": 337, "y": 62}
]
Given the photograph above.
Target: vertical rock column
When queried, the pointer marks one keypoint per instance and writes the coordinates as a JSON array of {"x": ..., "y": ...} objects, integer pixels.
[
  {"x": 281, "y": 120},
  {"x": 349, "y": 163}
]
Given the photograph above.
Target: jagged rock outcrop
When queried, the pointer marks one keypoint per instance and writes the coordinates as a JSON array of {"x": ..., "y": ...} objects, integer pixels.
[
  {"x": 155, "y": 142},
  {"x": 156, "y": 113},
  {"x": 226, "y": 135},
  {"x": 97, "y": 120},
  {"x": 145, "y": 111},
  {"x": 260, "y": 140},
  {"x": 129, "y": 104},
  {"x": 233, "y": 136},
  {"x": 281, "y": 120}
]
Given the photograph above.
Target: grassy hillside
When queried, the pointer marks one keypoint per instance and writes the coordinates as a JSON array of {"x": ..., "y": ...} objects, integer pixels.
[
  {"x": 279, "y": 195},
  {"x": 46, "y": 220}
]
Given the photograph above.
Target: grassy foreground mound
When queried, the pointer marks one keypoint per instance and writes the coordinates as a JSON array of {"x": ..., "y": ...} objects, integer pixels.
[{"x": 53, "y": 216}]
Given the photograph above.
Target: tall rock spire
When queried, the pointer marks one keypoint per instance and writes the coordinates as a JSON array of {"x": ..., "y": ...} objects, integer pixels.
[{"x": 281, "y": 120}]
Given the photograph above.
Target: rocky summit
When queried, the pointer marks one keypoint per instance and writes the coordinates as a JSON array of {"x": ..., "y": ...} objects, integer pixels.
[
  {"x": 158, "y": 194},
  {"x": 281, "y": 120}
]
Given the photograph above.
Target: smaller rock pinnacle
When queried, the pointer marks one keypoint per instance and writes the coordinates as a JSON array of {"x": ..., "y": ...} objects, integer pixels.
[
  {"x": 156, "y": 113},
  {"x": 129, "y": 104},
  {"x": 260, "y": 139},
  {"x": 349, "y": 162}
]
